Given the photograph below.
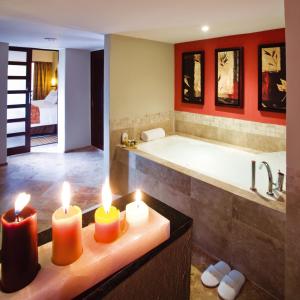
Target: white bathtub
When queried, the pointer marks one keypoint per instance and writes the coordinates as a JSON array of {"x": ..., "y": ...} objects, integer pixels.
[{"x": 224, "y": 163}]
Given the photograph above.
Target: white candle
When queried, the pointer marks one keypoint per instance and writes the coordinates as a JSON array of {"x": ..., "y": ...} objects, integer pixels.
[{"x": 137, "y": 212}]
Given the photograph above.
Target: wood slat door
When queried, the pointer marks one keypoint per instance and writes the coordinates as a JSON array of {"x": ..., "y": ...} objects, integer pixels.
[{"x": 18, "y": 100}]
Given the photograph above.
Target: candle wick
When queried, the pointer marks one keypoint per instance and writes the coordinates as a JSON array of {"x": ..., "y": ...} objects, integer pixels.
[
  {"x": 66, "y": 210},
  {"x": 17, "y": 218}
]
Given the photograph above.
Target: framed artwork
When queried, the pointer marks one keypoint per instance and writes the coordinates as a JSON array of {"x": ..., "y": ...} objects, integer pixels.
[
  {"x": 229, "y": 77},
  {"x": 272, "y": 78},
  {"x": 193, "y": 77}
]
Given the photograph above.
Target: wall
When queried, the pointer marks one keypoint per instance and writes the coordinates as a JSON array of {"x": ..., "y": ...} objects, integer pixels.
[
  {"x": 141, "y": 85},
  {"x": 292, "y": 256},
  {"x": 246, "y": 127},
  {"x": 250, "y": 43},
  {"x": 46, "y": 56},
  {"x": 42, "y": 56},
  {"x": 74, "y": 99},
  {"x": 3, "y": 100}
]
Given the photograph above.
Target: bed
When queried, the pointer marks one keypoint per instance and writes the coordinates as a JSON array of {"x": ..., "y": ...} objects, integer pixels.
[{"x": 43, "y": 117}]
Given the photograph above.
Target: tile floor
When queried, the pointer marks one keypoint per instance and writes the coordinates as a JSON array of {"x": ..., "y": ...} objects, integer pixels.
[
  {"x": 200, "y": 261},
  {"x": 41, "y": 174}
]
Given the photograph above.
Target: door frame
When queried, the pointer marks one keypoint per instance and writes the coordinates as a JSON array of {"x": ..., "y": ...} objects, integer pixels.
[{"x": 27, "y": 119}]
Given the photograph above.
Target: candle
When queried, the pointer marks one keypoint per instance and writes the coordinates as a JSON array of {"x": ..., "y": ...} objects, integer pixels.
[
  {"x": 107, "y": 218},
  {"x": 66, "y": 231},
  {"x": 19, "y": 245},
  {"x": 137, "y": 212}
]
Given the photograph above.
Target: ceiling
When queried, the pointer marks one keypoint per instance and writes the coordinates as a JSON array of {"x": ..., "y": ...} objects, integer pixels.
[{"x": 82, "y": 23}]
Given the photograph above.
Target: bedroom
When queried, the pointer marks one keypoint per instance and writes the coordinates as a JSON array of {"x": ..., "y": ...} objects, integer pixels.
[{"x": 32, "y": 78}]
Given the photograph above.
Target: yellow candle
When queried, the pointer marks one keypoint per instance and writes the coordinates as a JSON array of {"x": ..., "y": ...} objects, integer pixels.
[
  {"x": 107, "y": 218},
  {"x": 66, "y": 231}
]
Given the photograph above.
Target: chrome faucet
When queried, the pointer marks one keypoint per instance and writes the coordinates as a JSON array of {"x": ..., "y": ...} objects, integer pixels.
[
  {"x": 253, "y": 174},
  {"x": 270, "y": 176}
]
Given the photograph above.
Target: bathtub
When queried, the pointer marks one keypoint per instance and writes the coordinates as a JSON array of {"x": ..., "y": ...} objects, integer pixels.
[
  {"x": 227, "y": 164},
  {"x": 210, "y": 182}
]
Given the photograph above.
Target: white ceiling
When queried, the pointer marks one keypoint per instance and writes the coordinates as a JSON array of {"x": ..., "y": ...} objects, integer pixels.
[{"x": 82, "y": 23}]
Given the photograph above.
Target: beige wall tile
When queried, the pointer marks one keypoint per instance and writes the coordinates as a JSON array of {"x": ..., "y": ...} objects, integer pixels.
[{"x": 258, "y": 136}]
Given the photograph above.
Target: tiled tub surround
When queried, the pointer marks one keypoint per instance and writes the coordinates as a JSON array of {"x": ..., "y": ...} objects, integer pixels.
[
  {"x": 231, "y": 224},
  {"x": 231, "y": 165},
  {"x": 135, "y": 125},
  {"x": 254, "y": 135}
]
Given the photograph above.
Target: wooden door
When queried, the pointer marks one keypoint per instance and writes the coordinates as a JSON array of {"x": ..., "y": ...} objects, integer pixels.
[
  {"x": 18, "y": 100},
  {"x": 97, "y": 102}
]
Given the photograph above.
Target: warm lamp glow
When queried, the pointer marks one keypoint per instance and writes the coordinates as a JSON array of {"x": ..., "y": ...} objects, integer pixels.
[
  {"x": 106, "y": 196},
  {"x": 138, "y": 197},
  {"x": 53, "y": 81},
  {"x": 205, "y": 28},
  {"x": 66, "y": 195},
  {"x": 21, "y": 201}
]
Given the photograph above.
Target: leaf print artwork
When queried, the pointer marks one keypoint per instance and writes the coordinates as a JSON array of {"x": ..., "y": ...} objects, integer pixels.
[
  {"x": 192, "y": 77},
  {"x": 272, "y": 78},
  {"x": 228, "y": 77}
]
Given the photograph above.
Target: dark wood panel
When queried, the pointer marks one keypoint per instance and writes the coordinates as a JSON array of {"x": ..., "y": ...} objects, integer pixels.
[
  {"x": 17, "y": 77},
  {"x": 42, "y": 130},
  {"x": 26, "y": 147},
  {"x": 97, "y": 102},
  {"x": 16, "y": 120},
  {"x": 17, "y": 63},
  {"x": 15, "y": 134},
  {"x": 16, "y": 106}
]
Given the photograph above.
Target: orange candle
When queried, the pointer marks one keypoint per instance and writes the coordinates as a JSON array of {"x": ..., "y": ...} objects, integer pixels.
[
  {"x": 107, "y": 218},
  {"x": 66, "y": 231}
]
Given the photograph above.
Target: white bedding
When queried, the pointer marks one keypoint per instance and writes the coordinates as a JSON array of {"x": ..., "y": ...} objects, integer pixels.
[{"x": 48, "y": 113}]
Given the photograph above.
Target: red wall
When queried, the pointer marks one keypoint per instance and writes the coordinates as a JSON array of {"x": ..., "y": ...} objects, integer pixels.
[{"x": 250, "y": 44}]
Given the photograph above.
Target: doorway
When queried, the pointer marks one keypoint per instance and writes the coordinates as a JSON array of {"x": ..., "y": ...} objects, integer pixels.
[
  {"x": 97, "y": 83},
  {"x": 31, "y": 99},
  {"x": 44, "y": 100}
]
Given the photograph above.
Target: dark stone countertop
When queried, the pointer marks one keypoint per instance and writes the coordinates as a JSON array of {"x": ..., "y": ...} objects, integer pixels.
[{"x": 179, "y": 222}]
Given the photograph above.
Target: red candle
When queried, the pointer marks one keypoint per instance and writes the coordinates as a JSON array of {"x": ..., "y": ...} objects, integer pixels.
[{"x": 19, "y": 246}]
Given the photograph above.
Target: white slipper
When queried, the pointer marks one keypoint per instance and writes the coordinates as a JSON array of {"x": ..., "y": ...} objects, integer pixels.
[
  {"x": 231, "y": 285},
  {"x": 212, "y": 276}
]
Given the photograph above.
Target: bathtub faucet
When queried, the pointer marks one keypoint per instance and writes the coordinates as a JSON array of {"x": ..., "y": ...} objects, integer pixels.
[{"x": 270, "y": 176}]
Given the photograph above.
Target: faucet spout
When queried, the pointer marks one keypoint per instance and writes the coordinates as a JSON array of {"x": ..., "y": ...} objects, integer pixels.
[{"x": 270, "y": 177}]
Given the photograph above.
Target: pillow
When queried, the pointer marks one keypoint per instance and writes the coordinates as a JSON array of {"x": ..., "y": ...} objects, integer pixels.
[{"x": 51, "y": 97}]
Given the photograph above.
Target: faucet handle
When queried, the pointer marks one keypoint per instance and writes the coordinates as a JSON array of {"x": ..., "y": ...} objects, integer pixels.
[{"x": 280, "y": 181}]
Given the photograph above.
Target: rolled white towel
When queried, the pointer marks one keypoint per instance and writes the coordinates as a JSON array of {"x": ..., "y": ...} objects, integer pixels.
[{"x": 153, "y": 134}]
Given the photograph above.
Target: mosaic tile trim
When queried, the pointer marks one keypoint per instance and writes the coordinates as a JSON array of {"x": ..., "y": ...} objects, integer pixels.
[{"x": 265, "y": 129}]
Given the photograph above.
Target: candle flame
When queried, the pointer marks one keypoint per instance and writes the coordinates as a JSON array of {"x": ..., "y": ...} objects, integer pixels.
[
  {"x": 138, "y": 197},
  {"x": 66, "y": 195},
  {"x": 106, "y": 196},
  {"x": 21, "y": 201}
]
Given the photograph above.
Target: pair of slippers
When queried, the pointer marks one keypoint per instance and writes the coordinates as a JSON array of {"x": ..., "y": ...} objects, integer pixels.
[{"x": 229, "y": 281}]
